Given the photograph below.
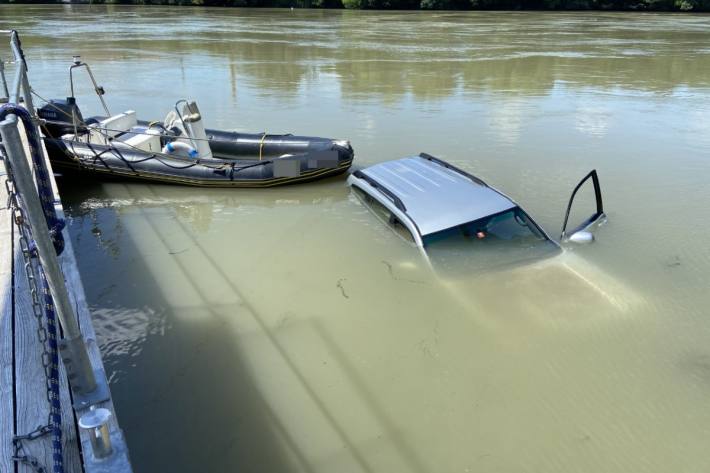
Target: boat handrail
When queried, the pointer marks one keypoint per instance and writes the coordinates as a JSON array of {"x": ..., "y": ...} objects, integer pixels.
[{"x": 97, "y": 88}]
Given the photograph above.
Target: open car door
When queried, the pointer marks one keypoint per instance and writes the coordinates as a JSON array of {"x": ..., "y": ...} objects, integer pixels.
[{"x": 581, "y": 233}]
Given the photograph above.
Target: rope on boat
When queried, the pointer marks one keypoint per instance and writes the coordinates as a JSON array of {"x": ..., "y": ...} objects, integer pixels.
[
  {"x": 261, "y": 145},
  {"x": 155, "y": 156}
]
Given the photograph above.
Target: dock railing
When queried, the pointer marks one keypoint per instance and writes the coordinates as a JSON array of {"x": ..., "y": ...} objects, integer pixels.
[
  {"x": 87, "y": 391},
  {"x": 32, "y": 202}
]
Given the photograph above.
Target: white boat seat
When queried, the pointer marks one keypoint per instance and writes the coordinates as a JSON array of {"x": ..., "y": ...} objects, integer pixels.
[
  {"x": 117, "y": 124},
  {"x": 102, "y": 132},
  {"x": 139, "y": 138}
]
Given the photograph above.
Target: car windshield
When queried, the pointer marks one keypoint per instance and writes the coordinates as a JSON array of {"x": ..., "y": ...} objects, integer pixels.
[
  {"x": 508, "y": 225},
  {"x": 497, "y": 240}
]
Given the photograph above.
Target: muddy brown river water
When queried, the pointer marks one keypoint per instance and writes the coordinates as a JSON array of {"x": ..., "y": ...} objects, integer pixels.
[{"x": 288, "y": 330}]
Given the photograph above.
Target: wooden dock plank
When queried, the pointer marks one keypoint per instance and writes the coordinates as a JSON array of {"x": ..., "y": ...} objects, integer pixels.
[
  {"x": 7, "y": 406},
  {"x": 32, "y": 407},
  {"x": 23, "y": 402}
]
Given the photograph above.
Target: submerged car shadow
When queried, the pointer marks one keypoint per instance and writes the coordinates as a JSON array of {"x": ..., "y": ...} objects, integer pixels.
[{"x": 564, "y": 288}]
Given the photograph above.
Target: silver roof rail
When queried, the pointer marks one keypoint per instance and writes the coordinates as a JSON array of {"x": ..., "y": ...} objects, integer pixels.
[
  {"x": 443, "y": 163},
  {"x": 388, "y": 193}
]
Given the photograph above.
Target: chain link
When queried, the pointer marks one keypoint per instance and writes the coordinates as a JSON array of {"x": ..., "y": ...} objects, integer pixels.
[
  {"x": 21, "y": 456},
  {"x": 33, "y": 273}
]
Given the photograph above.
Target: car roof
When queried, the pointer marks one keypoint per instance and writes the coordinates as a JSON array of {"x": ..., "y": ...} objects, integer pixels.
[{"x": 435, "y": 195}]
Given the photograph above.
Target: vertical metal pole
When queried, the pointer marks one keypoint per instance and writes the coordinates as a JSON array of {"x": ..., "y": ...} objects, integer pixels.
[
  {"x": 74, "y": 352},
  {"x": 27, "y": 93},
  {"x": 6, "y": 92},
  {"x": 17, "y": 86},
  {"x": 22, "y": 83}
]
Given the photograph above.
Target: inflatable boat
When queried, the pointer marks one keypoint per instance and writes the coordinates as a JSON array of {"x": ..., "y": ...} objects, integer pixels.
[{"x": 180, "y": 150}]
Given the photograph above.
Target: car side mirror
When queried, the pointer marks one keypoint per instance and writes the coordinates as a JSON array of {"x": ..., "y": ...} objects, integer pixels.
[{"x": 582, "y": 237}]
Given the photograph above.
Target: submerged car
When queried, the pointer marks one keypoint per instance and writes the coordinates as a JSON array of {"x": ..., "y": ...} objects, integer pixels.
[
  {"x": 436, "y": 205},
  {"x": 488, "y": 253}
]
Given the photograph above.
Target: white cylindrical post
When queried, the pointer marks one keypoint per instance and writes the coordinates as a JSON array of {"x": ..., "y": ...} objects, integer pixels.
[{"x": 96, "y": 422}]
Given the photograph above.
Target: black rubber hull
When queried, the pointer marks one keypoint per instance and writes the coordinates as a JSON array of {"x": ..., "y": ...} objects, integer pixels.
[{"x": 239, "y": 160}]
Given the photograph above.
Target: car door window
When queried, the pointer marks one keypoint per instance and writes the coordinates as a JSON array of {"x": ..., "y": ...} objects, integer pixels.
[
  {"x": 384, "y": 214},
  {"x": 591, "y": 196}
]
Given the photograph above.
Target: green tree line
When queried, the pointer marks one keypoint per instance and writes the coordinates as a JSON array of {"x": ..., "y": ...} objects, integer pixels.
[{"x": 610, "y": 5}]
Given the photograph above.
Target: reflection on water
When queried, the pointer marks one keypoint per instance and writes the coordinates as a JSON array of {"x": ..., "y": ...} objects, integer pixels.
[{"x": 289, "y": 330}]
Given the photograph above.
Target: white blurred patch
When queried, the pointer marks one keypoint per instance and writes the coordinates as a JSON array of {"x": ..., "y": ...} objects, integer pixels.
[{"x": 592, "y": 119}]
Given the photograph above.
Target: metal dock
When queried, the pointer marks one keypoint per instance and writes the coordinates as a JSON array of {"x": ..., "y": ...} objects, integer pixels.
[{"x": 56, "y": 412}]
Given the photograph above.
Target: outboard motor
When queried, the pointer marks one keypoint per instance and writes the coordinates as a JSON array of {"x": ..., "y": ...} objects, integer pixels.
[{"x": 60, "y": 115}]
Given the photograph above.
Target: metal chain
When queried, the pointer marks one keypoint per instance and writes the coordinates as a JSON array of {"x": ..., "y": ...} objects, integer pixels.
[
  {"x": 46, "y": 336},
  {"x": 20, "y": 455}
]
